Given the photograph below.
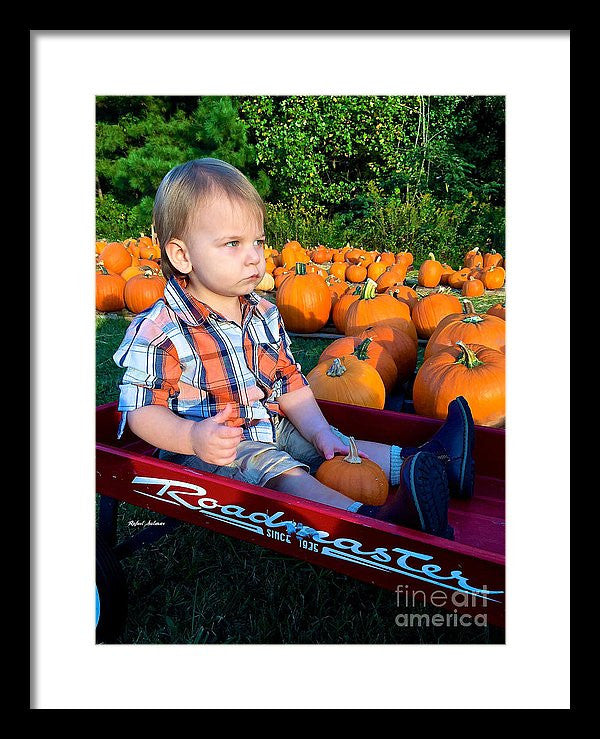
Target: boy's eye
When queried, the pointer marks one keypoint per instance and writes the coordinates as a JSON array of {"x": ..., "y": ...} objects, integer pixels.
[
  {"x": 232, "y": 243},
  {"x": 259, "y": 242}
]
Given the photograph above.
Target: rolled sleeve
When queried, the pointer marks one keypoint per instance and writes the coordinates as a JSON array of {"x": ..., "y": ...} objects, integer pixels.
[{"x": 152, "y": 370}]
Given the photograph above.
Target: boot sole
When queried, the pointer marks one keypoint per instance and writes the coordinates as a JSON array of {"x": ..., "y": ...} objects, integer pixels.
[{"x": 428, "y": 486}]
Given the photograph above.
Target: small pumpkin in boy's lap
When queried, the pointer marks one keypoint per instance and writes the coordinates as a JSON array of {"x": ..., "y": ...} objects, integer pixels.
[{"x": 360, "y": 479}]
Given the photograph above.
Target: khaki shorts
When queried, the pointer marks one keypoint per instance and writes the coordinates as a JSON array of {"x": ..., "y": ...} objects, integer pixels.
[{"x": 259, "y": 461}]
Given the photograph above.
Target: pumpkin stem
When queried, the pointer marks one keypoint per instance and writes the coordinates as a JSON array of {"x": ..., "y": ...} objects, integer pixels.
[
  {"x": 101, "y": 268},
  {"x": 337, "y": 369},
  {"x": 361, "y": 351},
  {"x": 431, "y": 256},
  {"x": 468, "y": 307},
  {"x": 300, "y": 268},
  {"x": 368, "y": 290},
  {"x": 467, "y": 357},
  {"x": 352, "y": 456}
]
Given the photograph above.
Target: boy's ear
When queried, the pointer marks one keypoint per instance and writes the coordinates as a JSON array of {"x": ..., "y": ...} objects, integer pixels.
[{"x": 179, "y": 256}]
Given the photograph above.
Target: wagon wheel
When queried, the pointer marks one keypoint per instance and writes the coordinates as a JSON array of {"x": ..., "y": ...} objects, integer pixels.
[{"x": 111, "y": 594}]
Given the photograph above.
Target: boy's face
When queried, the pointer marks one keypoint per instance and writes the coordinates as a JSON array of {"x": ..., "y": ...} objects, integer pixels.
[{"x": 225, "y": 249}]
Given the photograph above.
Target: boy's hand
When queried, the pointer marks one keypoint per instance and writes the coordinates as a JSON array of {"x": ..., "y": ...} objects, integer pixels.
[
  {"x": 215, "y": 440},
  {"x": 326, "y": 442}
]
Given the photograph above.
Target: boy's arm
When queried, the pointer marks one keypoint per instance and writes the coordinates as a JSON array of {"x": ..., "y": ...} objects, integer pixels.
[
  {"x": 213, "y": 440},
  {"x": 302, "y": 409}
]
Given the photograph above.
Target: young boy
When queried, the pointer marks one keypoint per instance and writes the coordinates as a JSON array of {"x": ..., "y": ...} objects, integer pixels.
[{"x": 210, "y": 379}]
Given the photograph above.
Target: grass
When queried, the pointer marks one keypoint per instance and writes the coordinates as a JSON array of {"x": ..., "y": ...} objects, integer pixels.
[{"x": 194, "y": 586}]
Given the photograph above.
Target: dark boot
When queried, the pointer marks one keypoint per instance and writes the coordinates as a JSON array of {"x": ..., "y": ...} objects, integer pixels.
[
  {"x": 452, "y": 444},
  {"x": 421, "y": 501}
]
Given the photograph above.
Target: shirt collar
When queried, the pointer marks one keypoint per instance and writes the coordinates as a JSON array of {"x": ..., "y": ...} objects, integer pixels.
[{"x": 192, "y": 311}]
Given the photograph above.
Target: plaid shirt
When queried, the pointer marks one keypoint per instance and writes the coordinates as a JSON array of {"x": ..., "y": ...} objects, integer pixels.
[{"x": 182, "y": 354}]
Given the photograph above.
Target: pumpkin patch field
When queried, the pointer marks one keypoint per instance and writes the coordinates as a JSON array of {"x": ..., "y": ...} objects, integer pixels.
[{"x": 368, "y": 327}]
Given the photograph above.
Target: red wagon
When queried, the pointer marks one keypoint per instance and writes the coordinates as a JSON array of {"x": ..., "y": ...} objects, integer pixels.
[{"x": 463, "y": 576}]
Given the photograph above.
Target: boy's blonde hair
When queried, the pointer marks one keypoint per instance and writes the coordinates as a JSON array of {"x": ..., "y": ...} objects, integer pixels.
[{"x": 185, "y": 188}]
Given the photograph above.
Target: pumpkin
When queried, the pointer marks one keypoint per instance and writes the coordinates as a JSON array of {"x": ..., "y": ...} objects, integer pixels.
[
  {"x": 355, "y": 273},
  {"x": 360, "y": 479},
  {"x": 430, "y": 272},
  {"x": 347, "y": 380},
  {"x": 455, "y": 279},
  {"x": 338, "y": 269},
  {"x": 388, "y": 280},
  {"x": 132, "y": 271},
  {"x": 367, "y": 350},
  {"x": 267, "y": 283},
  {"x": 429, "y": 311},
  {"x": 143, "y": 291},
  {"x": 292, "y": 253},
  {"x": 269, "y": 265},
  {"x": 493, "y": 278},
  {"x": 279, "y": 278},
  {"x": 469, "y": 327},
  {"x": 100, "y": 246},
  {"x": 150, "y": 251},
  {"x": 446, "y": 272},
  {"x": 476, "y": 372},
  {"x": 340, "y": 307},
  {"x": 320, "y": 255},
  {"x": 492, "y": 259},
  {"x": 404, "y": 294},
  {"x": 336, "y": 287},
  {"x": 314, "y": 269},
  {"x": 473, "y": 258},
  {"x": 304, "y": 301},
  {"x": 404, "y": 258},
  {"x": 498, "y": 310},
  {"x": 387, "y": 257},
  {"x": 115, "y": 257},
  {"x": 472, "y": 287},
  {"x": 376, "y": 269},
  {"x": 398, "y": 344},
  {"x": 372, "y": 309},
  {"x": 149, "y": 264},
  {"x": 109, "y": 290},
  {"x": 354, "y": 256}
]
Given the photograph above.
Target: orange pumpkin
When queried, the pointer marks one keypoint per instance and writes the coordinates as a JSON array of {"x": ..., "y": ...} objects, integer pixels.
[
  {"x": 336, "y": 287},
  {"x": 293, "y": 253},
  {"x": 367, "y": 350},
  {"x": 389, "y": 279},
  {"x": 355, "y": 273},
  {"x": 429, "y": 311},
  {"x": 430, "y": 272},
  {"x": 338, "y": 269},
  {"x": 372, "y": 309},
  {"x": 376, "y": 269},
  {"x": 404, "y": 294},
  {"x": 399, "y": 345},
  {"x": 143, "y": 291},
  {"x": 473, "y": 258},
  {"x": 456, "y": 279},
  {"x": 387, "y": 257},
  {"x": 492, "y": 259},
  {"x": 405, "y": 258},
  {"x": 472, "y": 287},
  {"x": 115, "y": 257},
  {"x": 340, "y": 307},
  {"x": 493, "y": 278},
  {"x": 360, "y": 479},
  {"x": 446, "y": 272},
  {"x": 498, "y": 310},
  {"x": 469, "y": 327},
  {"x": 476, "y": 372},
  {"x": 304, "y": 301},
  {"x": 109, "y": 290},
  {"x": 320, "y": 255},
  {"x": 347, "y": 380}
]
